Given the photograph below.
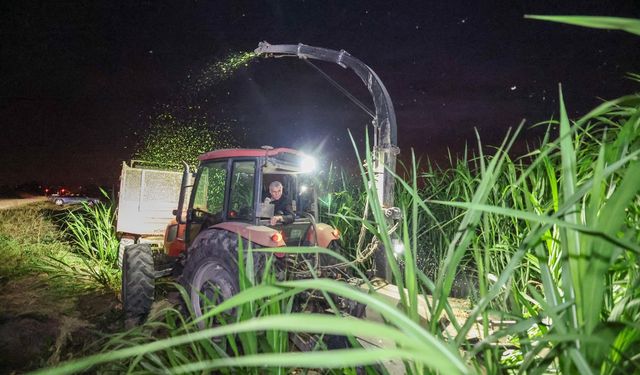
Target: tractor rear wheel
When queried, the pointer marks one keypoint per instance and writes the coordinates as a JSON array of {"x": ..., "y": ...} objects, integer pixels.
[
  {"x": 124, "y": 242},
  {"x": 210, "y": 272},
  {"x": 138, "y": 283}
]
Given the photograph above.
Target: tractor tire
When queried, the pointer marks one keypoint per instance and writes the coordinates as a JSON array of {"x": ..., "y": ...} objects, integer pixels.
[
  {"x": 211, "y": 270},
  {"x": 138, "y": 283},
  {"x": 124, "y": 242}
]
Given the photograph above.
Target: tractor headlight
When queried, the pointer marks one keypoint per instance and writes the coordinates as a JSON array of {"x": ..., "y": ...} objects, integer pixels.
[{"x": 308, "y": 164}]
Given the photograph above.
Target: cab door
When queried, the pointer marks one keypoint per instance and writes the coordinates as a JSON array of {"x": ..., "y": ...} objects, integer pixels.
[{"x": 207, "y": 203}]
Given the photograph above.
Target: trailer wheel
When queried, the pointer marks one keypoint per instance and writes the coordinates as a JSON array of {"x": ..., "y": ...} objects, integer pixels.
[{"x": 138, "y": 283}]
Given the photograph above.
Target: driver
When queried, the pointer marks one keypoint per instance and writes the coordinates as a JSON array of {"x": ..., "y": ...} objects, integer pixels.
[{"x": 283, "y": 211}]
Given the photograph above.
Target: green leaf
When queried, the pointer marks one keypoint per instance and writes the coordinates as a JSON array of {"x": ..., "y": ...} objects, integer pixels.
[{"x": 630, "y": 25}]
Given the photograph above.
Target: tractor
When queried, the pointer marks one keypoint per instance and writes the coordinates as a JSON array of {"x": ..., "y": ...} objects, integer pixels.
[{"x": 221, "y": 209}]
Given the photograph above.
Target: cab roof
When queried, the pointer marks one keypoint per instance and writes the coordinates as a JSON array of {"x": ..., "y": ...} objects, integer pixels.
[{"x": 247, "y": 152}]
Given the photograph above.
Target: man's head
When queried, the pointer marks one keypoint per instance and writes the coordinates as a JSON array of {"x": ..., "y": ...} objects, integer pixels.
[{"x": 275, "y": 190}]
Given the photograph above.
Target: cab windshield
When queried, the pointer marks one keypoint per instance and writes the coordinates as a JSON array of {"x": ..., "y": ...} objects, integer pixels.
[
  {"x": 209, "y": 198},
  {"x": 209, "y": 192}
]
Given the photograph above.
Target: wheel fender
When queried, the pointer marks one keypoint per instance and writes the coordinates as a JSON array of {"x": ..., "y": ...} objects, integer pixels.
[
  {"x": 174, "y": 238},
  {"x": 259, "y": 234},
  {"x": 326, "y": 234}
]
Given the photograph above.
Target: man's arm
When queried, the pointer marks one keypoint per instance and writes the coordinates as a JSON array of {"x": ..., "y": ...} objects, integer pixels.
[{"x": 284, "y": 211}]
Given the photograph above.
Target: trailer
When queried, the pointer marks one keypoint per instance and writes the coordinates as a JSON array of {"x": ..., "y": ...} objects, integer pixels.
[{"x": 148, "y": 196}]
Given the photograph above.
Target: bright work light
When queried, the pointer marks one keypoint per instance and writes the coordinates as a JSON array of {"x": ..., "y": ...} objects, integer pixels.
[{"x": 308, "y": 164}]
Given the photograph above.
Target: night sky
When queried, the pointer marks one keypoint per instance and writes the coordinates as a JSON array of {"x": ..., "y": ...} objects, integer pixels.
[{"x": 79, "y": 80}]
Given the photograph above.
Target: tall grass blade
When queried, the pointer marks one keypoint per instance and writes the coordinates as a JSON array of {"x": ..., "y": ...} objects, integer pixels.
[{"x": 630, "y": 25}]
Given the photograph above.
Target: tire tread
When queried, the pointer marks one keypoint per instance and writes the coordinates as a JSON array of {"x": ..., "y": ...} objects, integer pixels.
[{"x": 138, "y": 283}]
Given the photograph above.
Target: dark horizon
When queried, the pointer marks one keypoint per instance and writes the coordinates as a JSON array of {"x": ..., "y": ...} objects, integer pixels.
[{"x": 81, "y": 80}]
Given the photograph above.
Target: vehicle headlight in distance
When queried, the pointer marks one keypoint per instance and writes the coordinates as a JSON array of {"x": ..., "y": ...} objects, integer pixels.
[{"x": 308, "y": 164}]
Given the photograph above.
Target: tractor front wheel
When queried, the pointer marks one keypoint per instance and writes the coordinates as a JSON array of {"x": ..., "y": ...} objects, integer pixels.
[
  {"x": 138, "y": 283},
  {"x": 210, "y": 274}
]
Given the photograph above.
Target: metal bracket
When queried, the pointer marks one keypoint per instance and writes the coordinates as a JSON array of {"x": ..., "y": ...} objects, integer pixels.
[
  {"x": 339, "y": 60},
  {"x": 393, "y": 213}
]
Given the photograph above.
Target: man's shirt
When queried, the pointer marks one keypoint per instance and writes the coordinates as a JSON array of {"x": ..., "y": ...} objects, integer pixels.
[{"x": 283, "y": 207}]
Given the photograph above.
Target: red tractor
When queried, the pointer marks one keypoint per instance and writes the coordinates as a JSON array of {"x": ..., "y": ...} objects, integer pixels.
[{"x": 222, "y": 209}]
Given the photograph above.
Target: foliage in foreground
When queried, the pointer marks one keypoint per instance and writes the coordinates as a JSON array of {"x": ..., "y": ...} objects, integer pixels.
[
  {"x": 33, "y": 241},
  {"x": 92, "y": 259},
  {"x": 27, "y": 235}
]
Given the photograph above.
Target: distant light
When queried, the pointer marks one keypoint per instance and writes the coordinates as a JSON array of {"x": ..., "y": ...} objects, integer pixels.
[
  {"x": 308, "y": 164},
  {"x": 303, "y": 189}
]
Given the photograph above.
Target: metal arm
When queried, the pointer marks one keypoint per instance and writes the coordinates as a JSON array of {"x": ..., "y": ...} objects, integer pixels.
[
  {"x": 385, "y": 115},
  {"x": 385, "y": 147}
]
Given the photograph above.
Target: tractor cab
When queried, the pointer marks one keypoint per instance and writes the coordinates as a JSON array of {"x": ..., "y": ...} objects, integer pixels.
[{"x": 230, "y": 191}]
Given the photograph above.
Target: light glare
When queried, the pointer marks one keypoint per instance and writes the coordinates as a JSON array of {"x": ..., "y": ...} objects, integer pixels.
[{"x": 308, "y": 164}]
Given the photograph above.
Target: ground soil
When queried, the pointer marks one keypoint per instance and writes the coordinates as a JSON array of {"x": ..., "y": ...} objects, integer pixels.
[{"x": 41, "y": 327}]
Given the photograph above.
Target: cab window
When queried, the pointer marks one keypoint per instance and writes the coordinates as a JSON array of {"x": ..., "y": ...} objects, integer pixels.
[
  {"x": 209, "y": 196},
  {"x": 241, "y": 190}
]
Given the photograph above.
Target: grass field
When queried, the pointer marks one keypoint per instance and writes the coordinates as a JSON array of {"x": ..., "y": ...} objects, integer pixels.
[{"x": 49, "y": 313}]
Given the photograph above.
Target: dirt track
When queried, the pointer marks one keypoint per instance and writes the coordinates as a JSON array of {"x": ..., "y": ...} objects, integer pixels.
[
  {"x": 39, "y": 328},
  {"x": 13, "y": 203}
]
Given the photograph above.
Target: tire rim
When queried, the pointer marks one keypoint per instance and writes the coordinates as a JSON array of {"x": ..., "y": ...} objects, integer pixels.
[{"x": 206, "y": 285}]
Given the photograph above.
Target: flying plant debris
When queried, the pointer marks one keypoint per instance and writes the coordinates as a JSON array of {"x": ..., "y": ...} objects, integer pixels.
[{"x": 222, "y": 69}]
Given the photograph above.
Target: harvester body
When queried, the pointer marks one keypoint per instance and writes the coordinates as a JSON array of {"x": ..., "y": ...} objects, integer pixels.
[{"x": 221, "y": 210}]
